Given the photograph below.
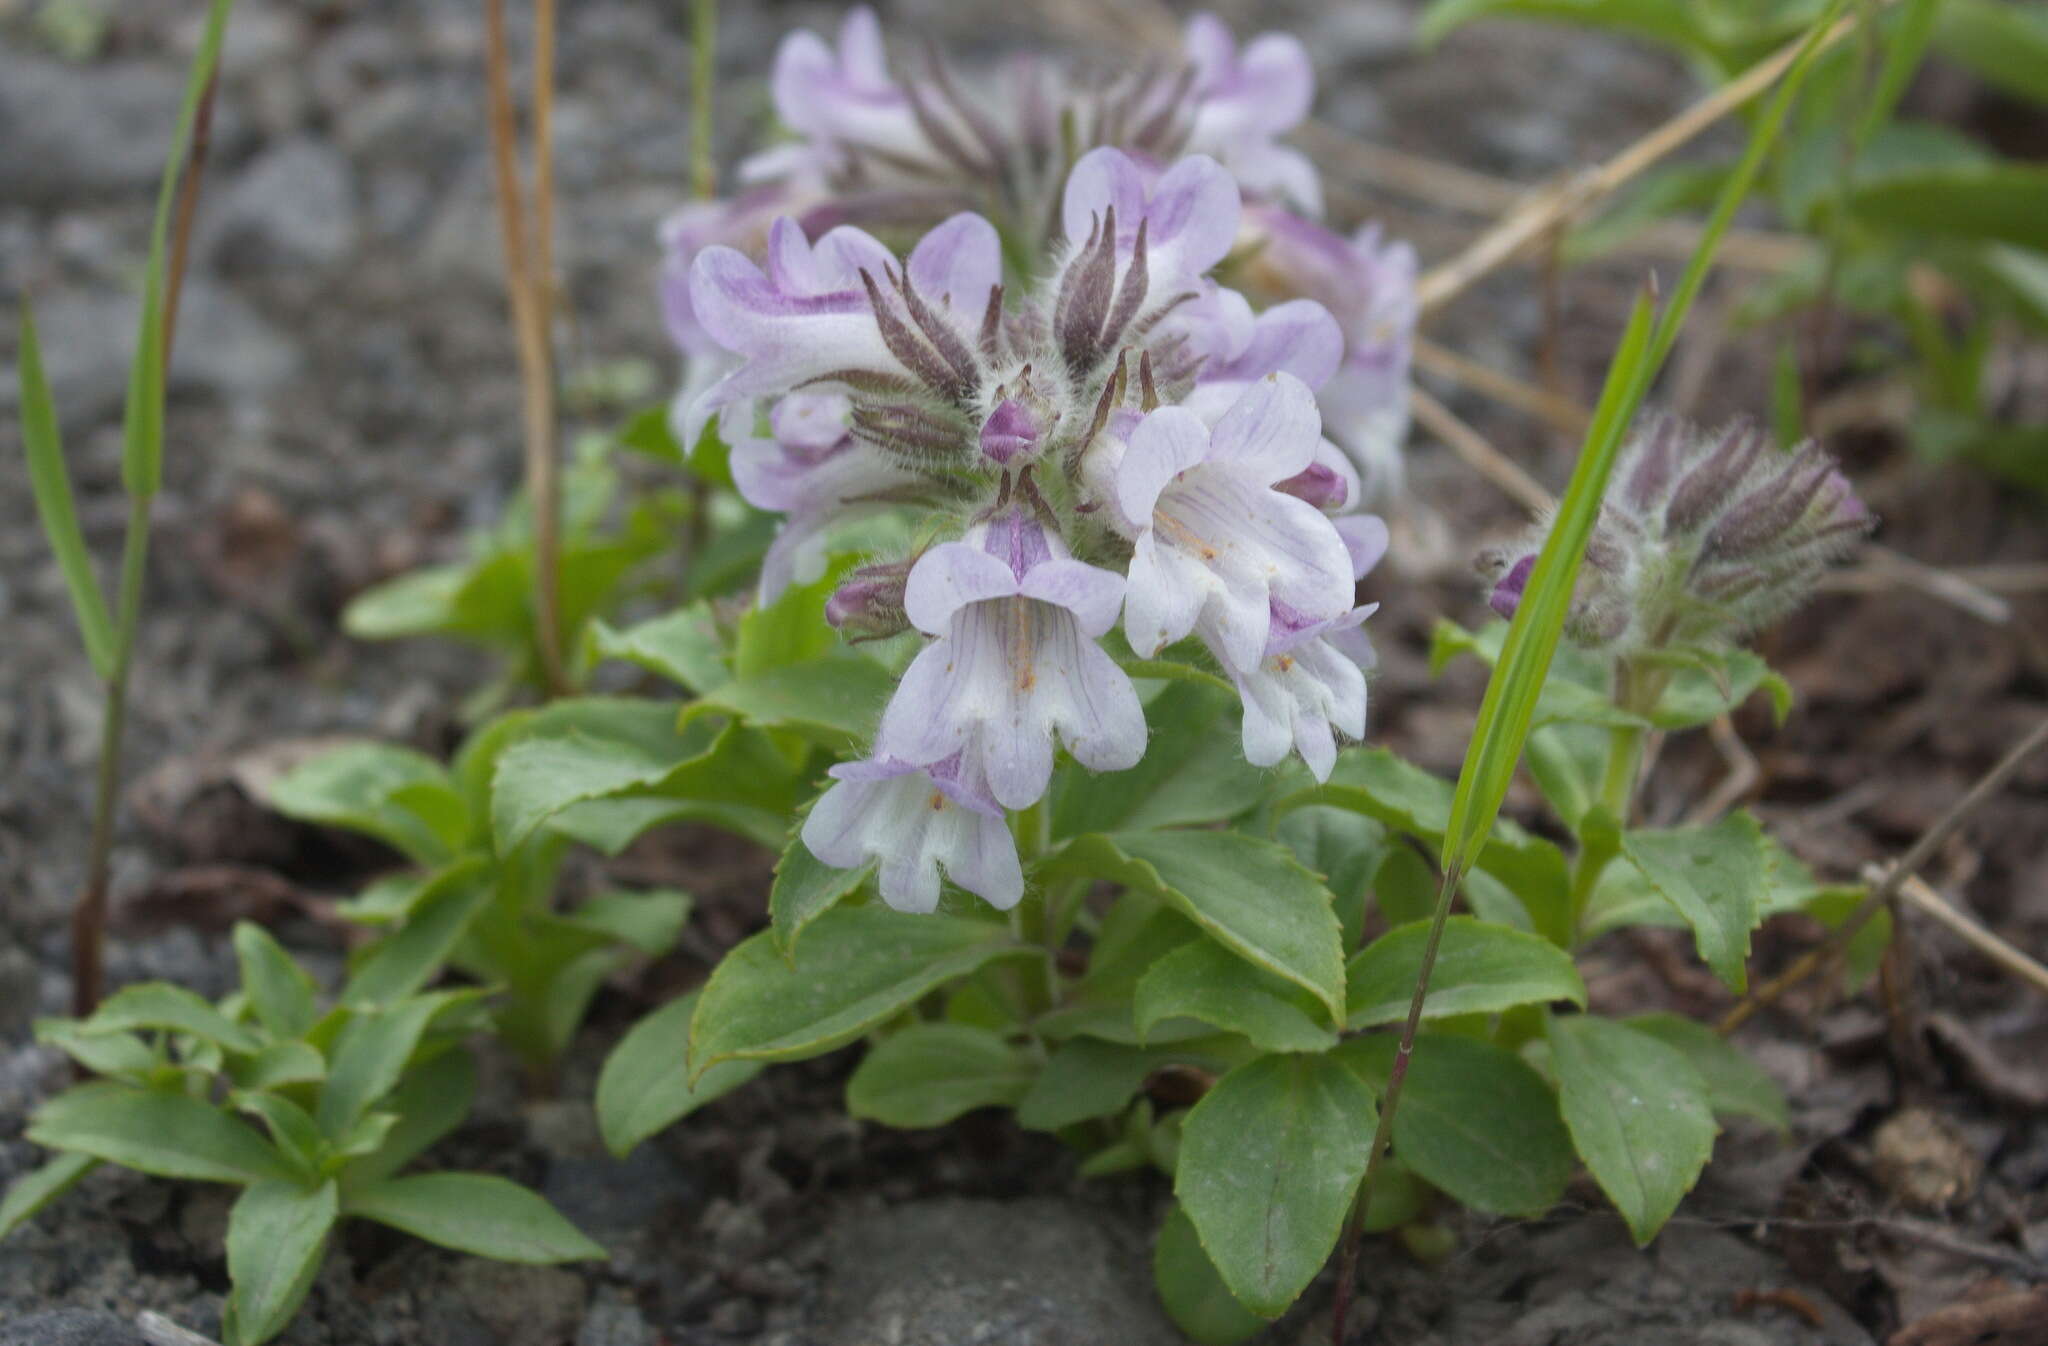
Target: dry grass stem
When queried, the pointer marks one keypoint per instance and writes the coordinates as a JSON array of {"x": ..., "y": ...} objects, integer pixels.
[
  {"x": 525, "y": 285},
  {"x": 1560, "y": 413},
  {"x": 1884, "y": 570},
  {"x": 1887, "y": 887},
  {"x": 1744, "y": 772},
  {"x": 1545, "y": 208},
  {"x": 1473, "y": 448},
  {"x": 1920, "y": 895}
]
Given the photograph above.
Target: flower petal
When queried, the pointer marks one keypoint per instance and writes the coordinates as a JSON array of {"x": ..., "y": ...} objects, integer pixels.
[
  {"x": 1271, "y": 431},
  {"x": 1093, "y": 595},
  {"x": 1166, "y": 443},
  {"x": 949, "y": 577},
  {"x": 958, "y": 263}
]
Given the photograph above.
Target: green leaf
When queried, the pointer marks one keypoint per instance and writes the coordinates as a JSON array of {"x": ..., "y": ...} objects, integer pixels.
[
  {"x": 51, "y": 484},
  {"x": 277, "y": 1233},
  {"x": 474, "y": 1213},
  {"x": 1090, "y": 1077},
  {"x": 278, "y": 988},
  {"x": 647, "y": 432},
  {"x": 645, "y": 1086},
  {"x": 1480, "y": 969},
  {"x": 1193, "y": 771},
  {"x": 928, "y": 1074},
  {"x": 1638, "y": 1113},
  {"x": 1376, "y": 783},
  {"x": 1202, "y": 980},
  {"x": 683, "y": 646},
  {"x": 1193, "y": 1291},
  {"x": 292, "y": 1130},
  {"x": 1345, "y": 850},
  {"x": 805, "y": 888},
  {"x": 1716, "y": 877},
  {"x": 2005, "y": 202},
  {"x": 160, "y": 1005},
  {"x": 1673, "y": 24},
  {"x": 38, "y": 1187},
  {"x": 835, "y": 701},
  {"x": 1736, "y": 1085},
  {"x": 791, "y": 630},
  {"x": 1250, "y": 895},
  {"x": 649, "y": 921},
  {"x": 1269, "y": 1160},
  {"x": 2006, "y": 45},
  {"x": 1475, "y": 1120},
  {"x": 169, "y": 1135},
  {"x": 371, "y": 1054},
  {"x": 278, "y": 1064},
  {"x": 441, "y": 913},
  {"x": 862, "y": 966},
  {"x": 431, "y": 1101},
  {"x": 354, "y": 787},
  {"x": 119, "y": 1054}
]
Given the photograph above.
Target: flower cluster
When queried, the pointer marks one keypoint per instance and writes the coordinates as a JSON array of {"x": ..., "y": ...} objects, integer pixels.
[
  {"x": 896, "y": 156},
  {"x": 1701, "y": 538},
  {"x": 1116, "y": 438}
]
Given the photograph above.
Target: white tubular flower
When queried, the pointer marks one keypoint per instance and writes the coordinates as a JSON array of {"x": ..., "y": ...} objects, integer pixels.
[{"x": 916, "y": 821}]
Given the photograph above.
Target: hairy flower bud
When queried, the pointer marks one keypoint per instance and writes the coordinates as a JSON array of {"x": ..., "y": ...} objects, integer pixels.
[
  {"x": 869, "y": 605},
  {"x": 1701, "y": 538}
]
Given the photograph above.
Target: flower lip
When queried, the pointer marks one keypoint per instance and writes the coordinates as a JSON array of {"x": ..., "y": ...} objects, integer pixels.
[{"x": 1507, "y": 592}]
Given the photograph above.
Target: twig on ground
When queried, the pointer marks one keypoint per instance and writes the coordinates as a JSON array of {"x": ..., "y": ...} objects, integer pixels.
[
  {"x": 1882, "y": 891},
  {"x": 1482, "y": 457},
  {"x": 1546, "y": 207},
  {"x": 1560, "y": 413},
  {"x": 1920, "y": 895},
  {"x": 1743, "y": 774},
  {"x": 1884, "y": 569}
]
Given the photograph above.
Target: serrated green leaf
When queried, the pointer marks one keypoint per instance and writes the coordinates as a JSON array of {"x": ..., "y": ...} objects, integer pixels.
[
  {"x": 1736, "y": 1085},
  {"x": 1475, "y": 1120},
  {"x": 1250, "y": 895},
  {"x": 804, "y": 889},
  {"x": 1193, "y": 1291},
  {"x": 1269, "y": 1160},
  {"x": 37, "y": 1188},
  {"x": 1638, "y": 1113},
  {"x": 1193, "y": 771},
  {"x": 645, "y": 1086},
  {"x": 1715, "y": 876},
  {"x": 474, "y": 1213},
  {"x": 1345, "y": 850},
  {"x": 860, "y": 966},
  {"x": 1481, "y": 968},
  {"x": 277, "y": 1235},
  {"x": 1202, "y": 980},
  {"x": 834, "y": 701},
  {"x": 353, "y": 786},
  {"x": 169, "y": 1135},
  {"x": 683, "y": 646},
  {"x": 928, "y": 1074},
  {"x": 51, "y": 484}
]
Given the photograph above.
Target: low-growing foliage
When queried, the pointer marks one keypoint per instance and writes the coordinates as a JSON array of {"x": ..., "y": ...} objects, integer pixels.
[{"x": 1023, "y": 624}]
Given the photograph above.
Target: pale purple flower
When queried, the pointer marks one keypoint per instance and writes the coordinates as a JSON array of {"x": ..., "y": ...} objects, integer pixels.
[
  {"x": 1186, "y": 216},
  {"x": 1368, "y": 284},
  {"x": 843, "y": 102},
  {"x": 1307, "y": 690},
  {"x": 816, "y": 474},
  {"x": 1216, "y": 545},
  {"x": 1014, "y": 662},
  {"x": 1243, "y": 99},
  {"x": 841, "y": 309},
  {"x": 1299, "y": 337},
  {"x": 916, "y": 821}
]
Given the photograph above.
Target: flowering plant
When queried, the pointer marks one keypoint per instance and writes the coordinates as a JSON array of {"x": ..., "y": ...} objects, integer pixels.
[{"x": 1050, "y": 418}]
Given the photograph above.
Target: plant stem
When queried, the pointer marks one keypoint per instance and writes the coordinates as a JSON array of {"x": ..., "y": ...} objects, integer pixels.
[
  {"x": 89, "y": 915},
  {"x": 1383, "y": 1132},
  {"x": 526, "y": 285}
]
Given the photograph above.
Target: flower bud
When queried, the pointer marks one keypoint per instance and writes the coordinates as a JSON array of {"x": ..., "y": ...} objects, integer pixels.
[
  {"x": 869, "y": 605},
  {"x": 1320, "y": 484},
  {"x": 1010, "y": 432}
]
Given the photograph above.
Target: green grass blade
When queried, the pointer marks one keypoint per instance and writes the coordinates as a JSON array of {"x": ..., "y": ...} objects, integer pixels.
[
  {"x": 143, "y": 425},
  {"x": 1902, "y": 55},
  {"x": 52, "y": 487},
  {"x": 1509, "y": 706}
]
